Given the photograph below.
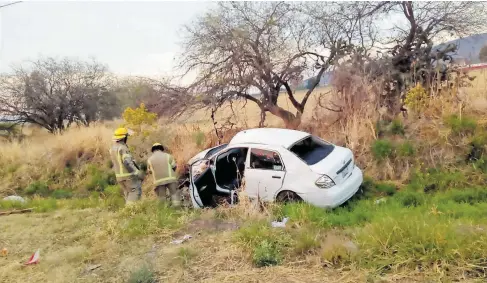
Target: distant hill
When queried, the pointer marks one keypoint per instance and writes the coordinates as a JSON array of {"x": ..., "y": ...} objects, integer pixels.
[{"x": 469, "y": 47}]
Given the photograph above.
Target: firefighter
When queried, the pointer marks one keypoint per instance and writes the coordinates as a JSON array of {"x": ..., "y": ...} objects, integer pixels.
[
  {"x": 163, "y": 167},
  {"x": 128, "y": 174}
]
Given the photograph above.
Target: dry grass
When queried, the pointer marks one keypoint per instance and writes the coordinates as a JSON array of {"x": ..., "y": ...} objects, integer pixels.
[{"x": 123, "y": 241}]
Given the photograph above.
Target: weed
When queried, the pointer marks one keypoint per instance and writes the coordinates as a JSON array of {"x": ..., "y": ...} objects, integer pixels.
[
  {"x": 266, "y": 253},
  {"x": 44, "y": 205},
  {"x": 38, "y": 188},
  {"x": 461, "y": 125},
  {"x": 397, "y": 128},
  {"x": 406, "y": 149},
  {"x": 185, "y": 255},
  {"x": 142, "y": 275},
  {"x": 306, "y": 241},
  {"x": 199, "y": 138},
  {"x": 410, "y": 198},
  {"x": 60, "y": 194},
  {"x": 470, "y": 196},
  {"x": 98, "y": 179},
  {"x": 382, "y": 149},
  {"x": 112, "y": 190},
  {"x": 387, "y": 189}
]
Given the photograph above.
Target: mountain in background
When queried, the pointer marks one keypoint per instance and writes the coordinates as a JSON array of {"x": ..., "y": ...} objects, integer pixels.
[{"x": 469, "y": 47}]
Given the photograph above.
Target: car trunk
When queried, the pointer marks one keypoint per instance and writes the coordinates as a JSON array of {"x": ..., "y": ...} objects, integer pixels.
[{"x": 338, "y": 165}]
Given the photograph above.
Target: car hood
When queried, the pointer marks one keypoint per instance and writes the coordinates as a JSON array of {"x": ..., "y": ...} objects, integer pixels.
[{"x": 337, "y": 165}]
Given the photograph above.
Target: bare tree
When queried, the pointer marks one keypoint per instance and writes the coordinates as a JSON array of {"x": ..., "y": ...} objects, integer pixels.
[
  {"x": 56, "y": 93},
  {"x": 253, "y": 50},
  {"x": 413, "y": 58}
]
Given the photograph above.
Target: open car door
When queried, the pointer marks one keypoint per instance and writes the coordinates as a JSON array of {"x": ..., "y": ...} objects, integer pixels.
[{"x": 202, "y": 185}]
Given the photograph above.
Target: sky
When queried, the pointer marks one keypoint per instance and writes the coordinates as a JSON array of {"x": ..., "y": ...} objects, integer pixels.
[{"x": 131, "y": 37}]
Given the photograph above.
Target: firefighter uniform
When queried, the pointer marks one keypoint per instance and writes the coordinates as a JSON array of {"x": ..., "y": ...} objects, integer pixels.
[
  {"x": 128, "y": 175},
  {"x": 163, "y": 166}
]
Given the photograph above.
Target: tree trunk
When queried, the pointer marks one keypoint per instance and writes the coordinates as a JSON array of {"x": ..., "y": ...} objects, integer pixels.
[{"x": 290, "y": 120}]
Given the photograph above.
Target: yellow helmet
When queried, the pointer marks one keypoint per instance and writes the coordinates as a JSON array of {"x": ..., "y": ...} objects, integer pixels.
[{"x": 120, "y": 133}]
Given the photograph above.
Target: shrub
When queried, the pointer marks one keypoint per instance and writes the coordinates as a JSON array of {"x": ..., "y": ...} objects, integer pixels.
[
  {"x": 382, "y": 149},
  {"x": 406, "y": 149},
  {"x": 463, "y": 125},
  {"x": 416, "y": 98},
  {"x": 470, "y": 196},
  {"x": 387, "y": 189},
  {"x": 396, "y": 127},
  {"x": 142, "y": 275},
  {"x": 437, "y": 179},
  {"x": 409, "y": 198},
  {"x": 99, "y": 179},
  {"x": 38, "y": 188},
  {"x": 266, "y": 253}
]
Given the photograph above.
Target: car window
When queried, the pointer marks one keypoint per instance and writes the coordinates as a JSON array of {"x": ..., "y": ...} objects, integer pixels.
[
  {"x": 215, "y": 150},
  {"x": 312, "y": 150},
  {"x": 265, "y": 159}
]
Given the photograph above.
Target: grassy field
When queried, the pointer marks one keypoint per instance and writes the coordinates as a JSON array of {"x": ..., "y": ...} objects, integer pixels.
[{"x": 421, "y": 217}]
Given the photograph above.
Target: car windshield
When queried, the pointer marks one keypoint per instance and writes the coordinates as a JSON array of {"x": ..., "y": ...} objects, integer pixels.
[{"x": 312, "y": 150}]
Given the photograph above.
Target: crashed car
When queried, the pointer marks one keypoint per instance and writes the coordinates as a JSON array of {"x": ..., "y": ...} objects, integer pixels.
[{"x": 277, "y": 165}]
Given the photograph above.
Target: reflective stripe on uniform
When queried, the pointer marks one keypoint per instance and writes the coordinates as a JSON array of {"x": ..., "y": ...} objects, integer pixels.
[
  {"x": 121, "y": 166},
  {"x": 169, "y": 171}
]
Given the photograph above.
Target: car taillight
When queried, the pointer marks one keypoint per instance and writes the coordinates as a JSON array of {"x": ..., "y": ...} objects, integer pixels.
[{"x": 324, "y": 182}]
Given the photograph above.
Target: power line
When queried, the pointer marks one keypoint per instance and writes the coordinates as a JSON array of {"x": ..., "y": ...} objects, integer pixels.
[{"x": 10, "y": 4}]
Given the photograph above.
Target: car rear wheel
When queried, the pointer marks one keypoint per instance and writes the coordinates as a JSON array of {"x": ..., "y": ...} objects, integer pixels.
[{"x": 288, "y": 197}]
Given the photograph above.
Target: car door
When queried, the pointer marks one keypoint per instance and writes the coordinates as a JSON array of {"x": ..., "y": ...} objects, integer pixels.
[
  {"x": 202, "y": 185},
  {"x": 265, "y": 173}
]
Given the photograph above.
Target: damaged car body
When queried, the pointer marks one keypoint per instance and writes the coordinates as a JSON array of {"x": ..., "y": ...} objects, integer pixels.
[{"x": 277, "y": 165}]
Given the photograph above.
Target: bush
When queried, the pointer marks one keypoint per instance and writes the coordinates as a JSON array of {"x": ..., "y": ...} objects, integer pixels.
[
  {"x": 416, "y": 98},
  {"x": 38, "y": 188},
  {"x": 142, "y": 275},
  {"x": 266, "y": 253},
  {"x": 382, "y": 149},
  {"x": 437, "y": 179},
  {"x": 397, "y": 128},
  {"x": 410, "y": 198},
  {"x": 470, "y": 196},
  {"x": 463, "y": 125},
  {"x": 99, "y": 179},
  {"x": 406, "y": 149},
  {"x": 387, "y": 189}
]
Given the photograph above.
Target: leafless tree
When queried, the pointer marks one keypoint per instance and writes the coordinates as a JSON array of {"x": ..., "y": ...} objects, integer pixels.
[
  {"x": 56, "y": 93},
  {"x": 253, "y": 50},
  {"x": 413, "y": 58}
]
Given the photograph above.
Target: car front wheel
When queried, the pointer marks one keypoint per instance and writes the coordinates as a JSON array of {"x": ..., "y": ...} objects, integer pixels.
[{"x": 288, "y": 197}]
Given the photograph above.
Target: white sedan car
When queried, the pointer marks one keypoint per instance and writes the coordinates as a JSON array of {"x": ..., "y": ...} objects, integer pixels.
[{"x": 278, "y": 165}]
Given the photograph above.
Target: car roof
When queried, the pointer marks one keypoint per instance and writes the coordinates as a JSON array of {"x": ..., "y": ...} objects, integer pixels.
[{"x": 271, "y": 136}]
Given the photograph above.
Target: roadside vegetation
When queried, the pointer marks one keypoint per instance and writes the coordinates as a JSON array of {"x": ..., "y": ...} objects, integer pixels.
[{"x": 422, "y": 145}]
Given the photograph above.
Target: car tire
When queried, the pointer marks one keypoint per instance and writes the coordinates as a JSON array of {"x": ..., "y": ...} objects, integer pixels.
[{"x": 288, "y": 197}]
